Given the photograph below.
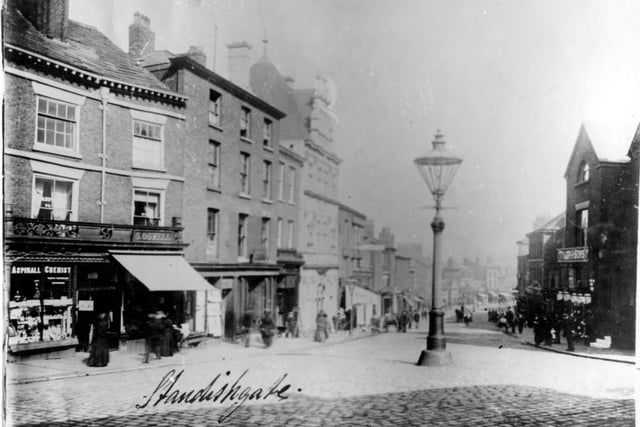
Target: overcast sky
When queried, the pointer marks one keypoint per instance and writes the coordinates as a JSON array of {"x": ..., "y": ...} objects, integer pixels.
[{"x": 507, "y": 82}]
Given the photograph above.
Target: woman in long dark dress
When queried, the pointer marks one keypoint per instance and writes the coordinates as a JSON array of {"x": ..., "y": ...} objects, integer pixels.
[
  {"x": 99, "y": 355},
  {"x": 168, "y": 345}
]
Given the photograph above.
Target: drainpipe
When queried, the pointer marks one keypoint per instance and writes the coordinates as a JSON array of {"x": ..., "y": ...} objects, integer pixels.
[{"x": 104, "y": 97}]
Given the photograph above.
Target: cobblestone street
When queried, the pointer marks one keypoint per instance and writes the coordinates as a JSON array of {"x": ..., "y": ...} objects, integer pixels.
[
  {"x": 468, "y": 406},
  {"x": 365, "y": 381}
]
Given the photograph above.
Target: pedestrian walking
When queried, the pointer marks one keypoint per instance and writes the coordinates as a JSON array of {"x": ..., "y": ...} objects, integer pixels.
[
  {"x": 321, "y": 328},
  {"x": 511, "y": 320},
  {"x": 99, "y": 355},
  {"x": 404, "y": 318},
  {"x": 521, "y": 320},
  {"x": 153, "y": 336},
  {"x": 416, "y": 319},
  {"x": 568, "y": 324},
  {"x": 292, "y": 324},
  {"x": 267, "y": 329}
]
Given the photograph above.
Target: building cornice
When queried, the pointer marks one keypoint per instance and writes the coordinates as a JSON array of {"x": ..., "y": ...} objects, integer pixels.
[
  {"x": 321, "y": 197},
  {"x": 89, "y": 78},
  {"x": 93, "y": 94}
]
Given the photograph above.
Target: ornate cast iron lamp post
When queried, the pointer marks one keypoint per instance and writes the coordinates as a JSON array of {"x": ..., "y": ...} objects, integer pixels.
[{"x": 438, "y": 168}]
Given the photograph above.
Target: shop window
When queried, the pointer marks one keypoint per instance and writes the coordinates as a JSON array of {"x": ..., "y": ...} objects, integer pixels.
[
  {"x": 53, "y": 199},
  {"x": 40, "y": 304},
  {"x": 146, "y": 208},
  {"x": 148, "y": 149}
]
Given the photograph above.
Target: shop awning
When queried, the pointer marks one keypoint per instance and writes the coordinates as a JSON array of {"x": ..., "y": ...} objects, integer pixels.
[{"x": 163, "y": 272}]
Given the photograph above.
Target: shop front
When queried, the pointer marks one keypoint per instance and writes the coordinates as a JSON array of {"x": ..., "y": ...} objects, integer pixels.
[
  {"x": 246, "y": 290},
  {"x": 60, "y": 275}
]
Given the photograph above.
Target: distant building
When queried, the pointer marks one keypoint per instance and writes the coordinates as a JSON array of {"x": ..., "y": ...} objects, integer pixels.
[{"x": 307, "y": 130}]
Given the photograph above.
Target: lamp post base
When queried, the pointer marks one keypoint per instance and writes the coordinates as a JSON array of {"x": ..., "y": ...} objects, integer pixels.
[{"x": 435, "y": 358}]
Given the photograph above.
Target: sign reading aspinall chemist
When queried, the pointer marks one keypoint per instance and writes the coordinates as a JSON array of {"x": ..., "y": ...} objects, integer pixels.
[{"x": 573, "y": 254}]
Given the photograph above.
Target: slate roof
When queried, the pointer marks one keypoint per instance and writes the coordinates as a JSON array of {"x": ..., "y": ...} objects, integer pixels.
[
  {"x": 267, "y": 83},
  {"x": 85, "y": 48}
]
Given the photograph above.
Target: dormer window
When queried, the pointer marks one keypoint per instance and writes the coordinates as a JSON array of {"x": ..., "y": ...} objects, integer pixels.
[{"x": 583, "y": 172}]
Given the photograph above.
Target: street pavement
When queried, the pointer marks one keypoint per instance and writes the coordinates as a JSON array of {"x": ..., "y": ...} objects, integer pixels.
[{"x": 348, "y": 380}]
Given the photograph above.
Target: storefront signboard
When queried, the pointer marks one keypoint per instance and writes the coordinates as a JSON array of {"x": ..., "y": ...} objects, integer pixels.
[{"x": 580, "y": 254}]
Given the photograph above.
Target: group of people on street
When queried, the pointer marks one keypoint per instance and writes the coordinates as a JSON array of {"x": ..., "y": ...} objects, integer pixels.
[
  {"x": 266, "y": 326},
  {"x": 162, "y": 338},
  {"x": 509, "y": 320}
]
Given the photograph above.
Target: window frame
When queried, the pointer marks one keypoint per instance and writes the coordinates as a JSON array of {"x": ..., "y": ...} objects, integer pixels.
[
  {"x": 265, "y": 232},
  {"x": 281, "y": 179},
  {"x": 243, "y": 223},
  {"x": 292, "y": 185},
  {"x": 161, "y": 200},
  {"x": 72, "y": 212},
  {"x": 214, "y": 162},
  {"x": 267, "y": 180},
  {"x": 245, "y": 122},
  {"x": 279, "y": 236},
  {"x": 290, "y": 230},
  {"x": 267, "y": 132},
  {"x": 582, "y": 227},
  {"x": 584, "y": 172},
  {"x": 61, "y": 96},
  {"x": 140, "y": 163},
  {"x": 245, "y": 173},
  {"x": 215, "y": 101},
  {"x": 213, "y": 243}
]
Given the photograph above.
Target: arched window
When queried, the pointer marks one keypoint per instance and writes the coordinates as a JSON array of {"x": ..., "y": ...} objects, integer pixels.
[{"x": 583, "y": 172}]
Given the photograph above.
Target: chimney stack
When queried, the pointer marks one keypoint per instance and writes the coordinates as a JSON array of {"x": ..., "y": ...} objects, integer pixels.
[
  {"x": 50, "y": 17},
  {"x": 197, "y": 54},
  {"x": 141, "y": 39},
  {"x": 239, "y": 61}
]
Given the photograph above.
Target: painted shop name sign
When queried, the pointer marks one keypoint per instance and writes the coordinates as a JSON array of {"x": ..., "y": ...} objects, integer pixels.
[
  {"x": 573, "y": 255},
  {"x": 140, "y": 235},
  {"x": 48, "y": 269}
]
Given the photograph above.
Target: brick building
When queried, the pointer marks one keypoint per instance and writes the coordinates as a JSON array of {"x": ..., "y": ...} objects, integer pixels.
[
  {"x": 599, "y": 257},
  {"x": 93, "y": 185},
  {"x": 241, "y": 187},
  {"x": 307, "y": 130}
]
